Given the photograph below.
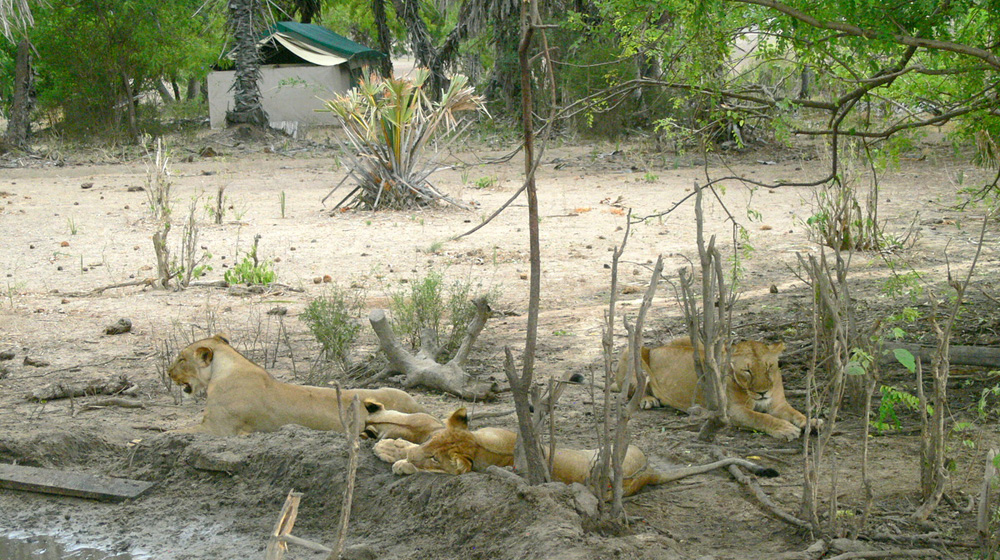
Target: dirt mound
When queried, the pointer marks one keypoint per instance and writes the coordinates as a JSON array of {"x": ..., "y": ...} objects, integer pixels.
[{"x": 235, "y": 488}]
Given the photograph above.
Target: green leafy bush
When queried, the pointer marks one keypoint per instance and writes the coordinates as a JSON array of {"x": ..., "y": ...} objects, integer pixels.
[
  {"x": 332, "y": 320},
  {"x": 250, "y": 270},
  {"x": 432, "y": 303}
]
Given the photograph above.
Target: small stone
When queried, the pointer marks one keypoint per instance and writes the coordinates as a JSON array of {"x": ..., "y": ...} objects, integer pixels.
[
  {"x": 64, "y": 244},
  {"x": 327, "y": 279},
  {"x": 134, "y": 188},
  {"x": 120, "y": 327},
  {"x": 279, "y": 311},
  {"x": 87, "y": 186},
  {"x": 6, "y": 355},
  {"x": 318, "y": 280},
  {"x": 774, "y": 288},
  {"x": 35, "y": 363},
  {"x": 358, "y": 552}
]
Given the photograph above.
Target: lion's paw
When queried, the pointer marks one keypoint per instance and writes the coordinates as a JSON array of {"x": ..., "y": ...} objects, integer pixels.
[
  {"x": 391, "y": 450},
  {"x": 403, "y": 467},
  {"x": 649, "y": 402},
  {"x": 787, "y": 431}
]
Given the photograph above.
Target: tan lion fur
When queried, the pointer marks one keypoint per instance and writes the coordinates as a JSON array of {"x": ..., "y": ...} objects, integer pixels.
[
  {"x": 242, "y": 397},
  {"x": 457, "y": 450},
  {"x": 383, "y": 423},
  {"x": 754, "y": 386}
]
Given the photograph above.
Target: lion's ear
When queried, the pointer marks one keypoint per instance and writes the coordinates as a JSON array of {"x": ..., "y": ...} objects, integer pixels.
[
  {"x": 373, "y": 406},
  {"x": 459, "y": 419},
  {"x": 777, "y": 347},
  {"x": 204, "y": 356},
  {"x": 221, "y": 338},
  {"x": 461, "y": 463}
]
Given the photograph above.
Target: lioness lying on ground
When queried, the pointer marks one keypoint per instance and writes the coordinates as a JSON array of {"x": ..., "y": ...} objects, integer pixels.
[
  {"x": 753, "y": 385},
  {"x": 241, "y": 397},
  {"x": 414, "y": 427},
  {"x": 456, "y": 450}
]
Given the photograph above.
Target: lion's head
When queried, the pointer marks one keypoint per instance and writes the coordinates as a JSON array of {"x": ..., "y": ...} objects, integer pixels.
[
  {"x": 450, "y": 450},
  {"x": 755, "y": 370},
  {"x": 192, "y": 368}
]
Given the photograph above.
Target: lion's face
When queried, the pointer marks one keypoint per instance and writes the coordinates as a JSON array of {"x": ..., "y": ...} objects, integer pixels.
[
  {"x": 755, "y": 370},
  {"x": 192, "y": 368},
  {"x": 449, "y": 450}
]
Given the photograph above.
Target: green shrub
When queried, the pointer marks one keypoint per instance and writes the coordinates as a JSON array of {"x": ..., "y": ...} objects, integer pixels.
[
  {"x": 250, "y": 270},
  {"x": 431, "y": 303},
  {"x": 332, "y": 320}
]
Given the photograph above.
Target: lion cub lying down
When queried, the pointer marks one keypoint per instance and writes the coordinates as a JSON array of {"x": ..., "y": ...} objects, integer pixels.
[
  {"x": 241, "y": 397},
  {"x": 754, "y": 388},
  {"x": 457, "y": 450},
  {"x": 383, "y": 423}
]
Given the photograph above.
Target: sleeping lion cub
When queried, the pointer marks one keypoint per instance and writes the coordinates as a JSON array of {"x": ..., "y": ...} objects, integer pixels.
[
  {"x": 753, "y": 385},
  {"x": 457, "y": 450}
]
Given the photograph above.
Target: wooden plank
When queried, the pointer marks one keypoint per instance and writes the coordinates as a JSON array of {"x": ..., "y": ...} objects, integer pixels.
[{"x": 67, "y": 483}]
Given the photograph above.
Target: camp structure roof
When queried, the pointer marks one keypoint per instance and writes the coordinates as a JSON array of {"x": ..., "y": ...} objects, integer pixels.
[{"x": 315, "y": 44}]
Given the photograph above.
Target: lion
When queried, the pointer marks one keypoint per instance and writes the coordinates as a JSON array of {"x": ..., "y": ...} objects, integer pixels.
[
  {"x": 241, "y": 397},
  {"x": 457, "y": 450},
  {"x": 383, "y": 423},
  {"x": 754, "y": 388}
]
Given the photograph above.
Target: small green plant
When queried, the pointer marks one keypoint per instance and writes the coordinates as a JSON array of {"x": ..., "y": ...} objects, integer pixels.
[
  {"x": 281, "y": 202},
  {"x": 250, "y": 270},
  {"x": 332, "y": 319},
  {"x": 561, "y": 333},
  {"x": 12, "y": 290},
  {"x": 891, "y": 396},
  {"x": 486, "y": 182},
  {"x": 72, "y": 225},
  {"x": 650, "y": 177}
]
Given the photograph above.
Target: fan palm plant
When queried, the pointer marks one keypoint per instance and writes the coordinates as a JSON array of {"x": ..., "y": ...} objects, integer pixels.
[{"x": 388, "y": 125}]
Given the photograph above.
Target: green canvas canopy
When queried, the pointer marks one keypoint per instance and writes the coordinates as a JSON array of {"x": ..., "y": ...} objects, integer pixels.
[{"x": 318, "y": 45}]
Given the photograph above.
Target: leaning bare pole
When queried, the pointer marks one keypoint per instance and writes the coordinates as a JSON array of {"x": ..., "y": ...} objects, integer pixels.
[
  {"x": 423, "y": 368},
  {"x": 521, "y": 387}
]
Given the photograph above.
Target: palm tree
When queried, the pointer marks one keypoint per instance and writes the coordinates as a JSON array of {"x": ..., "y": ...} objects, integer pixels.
[
  {"x": 245, "y": 17},
  {"x": 15, "y": 20}
]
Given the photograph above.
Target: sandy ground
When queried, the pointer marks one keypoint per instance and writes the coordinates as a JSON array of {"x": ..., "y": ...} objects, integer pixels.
[{"x": 73, "y": 226}]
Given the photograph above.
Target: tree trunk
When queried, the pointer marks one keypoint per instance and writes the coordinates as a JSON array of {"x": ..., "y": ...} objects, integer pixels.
[
  {"x": 247, "y": 108},
  {"x": 193, "y": 88},
  {"x": 384, "y": 38},
  {"x": 19, "y": 125},
  {"x": 165, "y": 94},
  {"x": 982, "y": 356}
]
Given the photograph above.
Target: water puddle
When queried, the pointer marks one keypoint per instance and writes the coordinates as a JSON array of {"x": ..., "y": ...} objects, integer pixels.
[{"x": 18, "y": 547}]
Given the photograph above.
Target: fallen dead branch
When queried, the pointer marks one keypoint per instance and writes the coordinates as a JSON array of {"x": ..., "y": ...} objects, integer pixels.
[
  {"x": 758, "y": 493},
  {"x": 59, "y": 390},
  {"x": 912, "y": 553},
  {"x": 423, "y": 369},
  {"x": 815, "y": 551},
  {"x": 277, "y": 545},
  {"x": 114, "y": 401}
]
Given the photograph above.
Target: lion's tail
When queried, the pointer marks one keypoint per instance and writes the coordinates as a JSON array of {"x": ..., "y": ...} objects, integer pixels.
[{"x": 677, "y": 474}]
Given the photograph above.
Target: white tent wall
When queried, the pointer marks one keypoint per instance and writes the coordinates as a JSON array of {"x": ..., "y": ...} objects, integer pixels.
[{"x": 291, "y": 95}]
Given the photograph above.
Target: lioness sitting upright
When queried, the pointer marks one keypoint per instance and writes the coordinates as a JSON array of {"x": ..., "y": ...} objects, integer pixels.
[
  {"x": 753, "y": 385},
  {"x": 242, "y": 397},
  {"x": 457, "y": 450}
]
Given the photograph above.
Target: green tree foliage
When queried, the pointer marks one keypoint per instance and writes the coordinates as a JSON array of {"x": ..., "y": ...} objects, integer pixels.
[{"x": 98, "y": 57}]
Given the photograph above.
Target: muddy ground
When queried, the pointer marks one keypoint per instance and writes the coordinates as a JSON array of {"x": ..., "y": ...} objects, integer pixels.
[{"x": 73, "y": 221}]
